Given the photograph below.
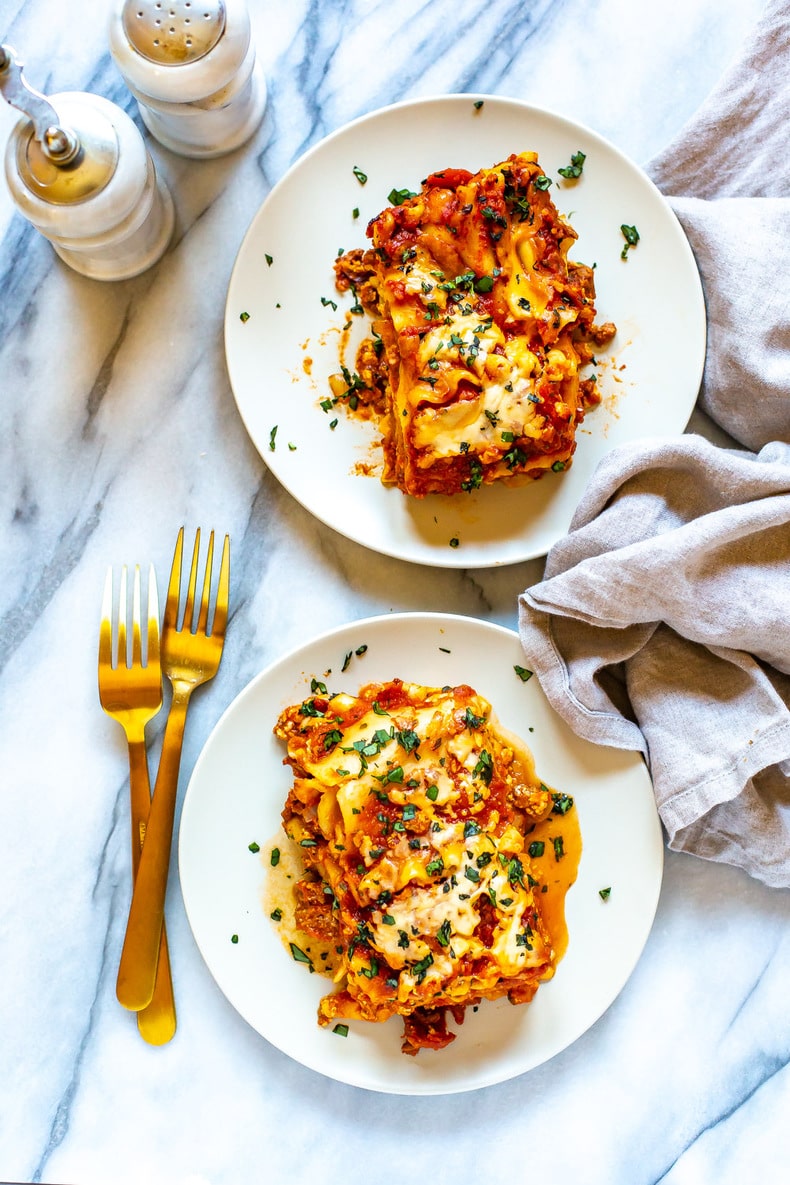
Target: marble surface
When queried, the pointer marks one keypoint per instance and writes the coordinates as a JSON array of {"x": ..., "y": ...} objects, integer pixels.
[{"x": 118, "y": 425}]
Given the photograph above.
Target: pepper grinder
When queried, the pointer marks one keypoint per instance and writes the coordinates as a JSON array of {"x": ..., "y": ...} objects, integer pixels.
[
  {"x": 192, "y": 67},
  {"x": 79, "y": 171}
]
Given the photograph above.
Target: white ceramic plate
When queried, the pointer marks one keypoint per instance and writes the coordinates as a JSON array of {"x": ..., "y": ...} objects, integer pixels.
[
  {"x": 235, "y": 797},
  {"x": 279, "y": 359}
]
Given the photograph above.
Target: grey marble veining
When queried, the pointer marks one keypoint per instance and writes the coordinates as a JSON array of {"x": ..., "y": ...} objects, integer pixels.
[{"x": 116, "y": 425}]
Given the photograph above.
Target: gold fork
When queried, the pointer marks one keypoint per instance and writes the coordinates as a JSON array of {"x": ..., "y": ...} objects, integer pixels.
[
  {"x": 190, "y": 656},
  {"x": 131, "y": 692}
]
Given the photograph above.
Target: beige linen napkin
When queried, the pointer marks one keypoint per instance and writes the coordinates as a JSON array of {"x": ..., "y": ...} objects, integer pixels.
[
  {"x": 731, "y": 166},
  {"x": 663, "y": 620}
]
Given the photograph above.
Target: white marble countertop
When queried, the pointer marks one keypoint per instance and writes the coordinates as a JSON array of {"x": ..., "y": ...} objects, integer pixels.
[{"x": 118, "y": 425}]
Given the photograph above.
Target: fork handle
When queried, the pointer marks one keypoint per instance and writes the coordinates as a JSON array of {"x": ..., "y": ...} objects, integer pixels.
[
  {"x": 140, "y": 955},
  {"x": 156, "y": 1022},
  {"x": 140, "y": 796}
]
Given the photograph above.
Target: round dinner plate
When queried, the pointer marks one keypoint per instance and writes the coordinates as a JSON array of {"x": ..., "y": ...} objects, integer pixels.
[
  {"x": 237, "y": 792},
  {"x": 284, "y": 321}
]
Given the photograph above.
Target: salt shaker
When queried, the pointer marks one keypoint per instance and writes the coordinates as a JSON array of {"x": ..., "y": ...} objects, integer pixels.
[
  {"x": 79, "y": 171},
  {"x": 192, "y": 67}
]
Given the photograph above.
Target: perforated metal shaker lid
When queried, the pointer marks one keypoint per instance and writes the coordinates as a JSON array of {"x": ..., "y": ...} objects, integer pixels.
[{"x": 173, "y": 32}]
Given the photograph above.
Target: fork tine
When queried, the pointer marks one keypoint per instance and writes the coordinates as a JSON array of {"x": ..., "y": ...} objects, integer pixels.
[
  {"x": 123, "y": 658},
  {"x": 202, "y": 622},
  {"x": 223, "y": 593},
  {"x": 137, "y": 642},
  {"x": 174, "y": 586},
  {"x": 153, "y": 620},
  {"x": 105, "y": 626},
  {"x": 189, "y": 607}
]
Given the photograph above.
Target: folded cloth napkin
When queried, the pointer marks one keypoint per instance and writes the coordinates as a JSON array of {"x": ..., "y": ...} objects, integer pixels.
[
  {"x": 727, "y": 177},
  {"x": 663, "y": 619}
]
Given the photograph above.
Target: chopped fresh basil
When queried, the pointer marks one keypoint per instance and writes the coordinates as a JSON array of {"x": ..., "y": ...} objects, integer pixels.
[
  {"x": 484, "y": 768},
  {"x": 332, "y": 738},
  {"x": 514, "y": 457},
  {"x": 631, "y": 236},
  {"x": 574, "y": 169},
  {"x": 420, "y": 969},
  {"x": 407, "y": 739},
  {"x": 515, "y": 872},
  {"x": 562, "y": 804},
  {"x": 473, "y": 721},
  {"x": 397, "y": 197},
  {"x": 299, "y": 954}
]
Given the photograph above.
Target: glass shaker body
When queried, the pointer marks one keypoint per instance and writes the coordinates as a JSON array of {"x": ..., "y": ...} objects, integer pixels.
[
  {"x": 107, "y": 214},
  {"x": 193, "y": 70}
]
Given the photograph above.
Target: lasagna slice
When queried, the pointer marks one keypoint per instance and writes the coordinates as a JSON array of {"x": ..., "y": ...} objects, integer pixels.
[
  {"x": 418, "y": 820},
  {"x": 480, "y": 327}
]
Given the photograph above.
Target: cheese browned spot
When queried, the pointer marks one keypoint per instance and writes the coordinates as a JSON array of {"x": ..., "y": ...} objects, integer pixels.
[
  {"x": 481, "y": 326},
  {"x": 414, "y": 813}
]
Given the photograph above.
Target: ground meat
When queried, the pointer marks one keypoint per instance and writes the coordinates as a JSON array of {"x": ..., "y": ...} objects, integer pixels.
[
  {"x": 426, "y": 1028},
  {"x": 314, "y": 914}
]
